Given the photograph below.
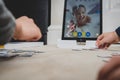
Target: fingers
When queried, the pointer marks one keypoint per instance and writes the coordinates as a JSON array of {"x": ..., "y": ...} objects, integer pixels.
[
  {"x": 103, "y": 45},
  {"x": 30, "y": 39},
  {"x": 98, "y": 42},
  {"x": 35, "y": 38},
  {"x": 106, "y": 45},
  {"x": 102, "y": 42},
  {"x": 100, "y": 37}
]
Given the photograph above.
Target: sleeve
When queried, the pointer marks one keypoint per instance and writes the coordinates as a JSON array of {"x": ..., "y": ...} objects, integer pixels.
[
  {"x": 118, "y": 31},
  {"x": 7, "y": 24}
]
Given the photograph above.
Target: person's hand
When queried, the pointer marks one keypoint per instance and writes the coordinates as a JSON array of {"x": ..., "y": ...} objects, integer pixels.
[
  {"x": 26, "y": 30},
  {"x": 106, "y": 39},
  {"x": 111, "y": 70}
]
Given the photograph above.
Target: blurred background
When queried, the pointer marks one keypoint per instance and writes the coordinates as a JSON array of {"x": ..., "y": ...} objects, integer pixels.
[{"x": 111, "y": 18}]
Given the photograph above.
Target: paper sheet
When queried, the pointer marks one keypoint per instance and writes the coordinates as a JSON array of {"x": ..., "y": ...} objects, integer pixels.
[
  {"x": 18, "y": 45},
  {"x": 72, "y": 44}
]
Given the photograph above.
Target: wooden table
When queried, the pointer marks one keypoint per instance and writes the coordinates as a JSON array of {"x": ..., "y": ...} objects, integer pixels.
[{"x": 54, "y": 64}]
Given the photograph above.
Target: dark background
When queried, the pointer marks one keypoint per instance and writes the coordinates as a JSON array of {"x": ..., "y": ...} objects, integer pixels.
[{"x": 39, "y": 10}]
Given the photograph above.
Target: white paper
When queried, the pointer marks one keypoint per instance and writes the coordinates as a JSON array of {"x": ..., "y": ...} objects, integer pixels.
[
  {"x": 17, "y": 45},
  {"x": 66, "y": 43},
  {"x": 72, "y": 44}
]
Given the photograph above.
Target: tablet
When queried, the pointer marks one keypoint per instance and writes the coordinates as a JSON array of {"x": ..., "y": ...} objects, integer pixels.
[{"x": 82, "y": 20}]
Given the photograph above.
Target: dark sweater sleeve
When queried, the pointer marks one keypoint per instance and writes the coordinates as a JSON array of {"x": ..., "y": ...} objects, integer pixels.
[
  {"x": 118, "y": 31},
  {"x": 7, "y": 24}
]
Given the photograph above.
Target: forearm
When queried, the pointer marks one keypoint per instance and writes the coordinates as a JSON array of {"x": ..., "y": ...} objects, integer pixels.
[{"x": 7, "y": 24}]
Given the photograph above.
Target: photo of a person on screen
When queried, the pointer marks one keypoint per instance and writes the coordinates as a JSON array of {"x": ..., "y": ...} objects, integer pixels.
[
  {"x": 86, "y": 16},
  {"x": 81, "y": 17}
]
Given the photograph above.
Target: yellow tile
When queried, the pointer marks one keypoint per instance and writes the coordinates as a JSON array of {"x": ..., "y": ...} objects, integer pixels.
[
  {"x": 83, "y": 34},
  {"x": 75, "y": 34},
  {"x": 1, "y": 46}
]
